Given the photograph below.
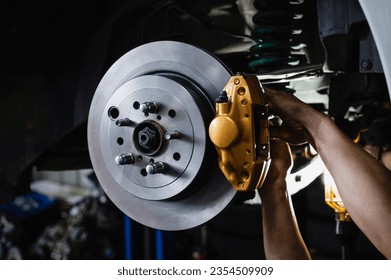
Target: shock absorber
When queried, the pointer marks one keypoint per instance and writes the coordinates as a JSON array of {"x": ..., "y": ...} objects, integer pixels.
[{"x": 277, "y": 30}]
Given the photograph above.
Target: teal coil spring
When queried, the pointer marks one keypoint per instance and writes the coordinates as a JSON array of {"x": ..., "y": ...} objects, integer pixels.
[{"x": 277, "y": 33}]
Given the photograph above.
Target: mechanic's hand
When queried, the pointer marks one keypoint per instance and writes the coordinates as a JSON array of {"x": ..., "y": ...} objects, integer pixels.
[
  {"x": 291, "y": 110},
  {"x": 281, "y": 163}
]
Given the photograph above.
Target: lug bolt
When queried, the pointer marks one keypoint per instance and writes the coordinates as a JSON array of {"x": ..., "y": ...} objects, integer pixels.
[
  {"x": 124, "y": 159},
  {"x": 149, "y": 107},
  {"x": 123, "y": 122},
  {"x": 172, "y": 135},
  {"x": 154, "y": 168}
]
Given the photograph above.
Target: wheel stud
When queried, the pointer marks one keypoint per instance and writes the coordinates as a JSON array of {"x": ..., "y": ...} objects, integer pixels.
[
  {"x": 124, "y": 159},
  {"x": 149, "y": 107},
  {"x": 172, "y": 135},
  {"x": 123, "y": 122},
  {"x": 154, "y": 168}
]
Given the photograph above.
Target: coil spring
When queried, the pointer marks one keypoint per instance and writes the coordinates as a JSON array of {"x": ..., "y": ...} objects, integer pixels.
[{"x": 277, "y": 30}]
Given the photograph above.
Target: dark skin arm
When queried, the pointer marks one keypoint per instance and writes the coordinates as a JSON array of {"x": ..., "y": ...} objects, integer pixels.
[
  {"x": 281, "y": 235},
  {"x": 363, "y": 183}
]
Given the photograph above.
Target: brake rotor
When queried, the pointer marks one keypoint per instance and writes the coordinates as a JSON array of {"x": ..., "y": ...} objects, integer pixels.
[{"x": 148, "y": 135}]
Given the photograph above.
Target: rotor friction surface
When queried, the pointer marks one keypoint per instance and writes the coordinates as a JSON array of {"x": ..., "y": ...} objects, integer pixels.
[{"x": 156, "y": 164}]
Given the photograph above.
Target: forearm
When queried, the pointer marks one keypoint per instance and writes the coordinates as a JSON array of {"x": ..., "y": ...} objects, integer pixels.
[
  {"x": 282, "y": 238},
  {"x": 363, "y": 183}
]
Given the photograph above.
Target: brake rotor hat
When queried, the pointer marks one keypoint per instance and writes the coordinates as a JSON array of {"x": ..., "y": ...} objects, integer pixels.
[{"x": 148, "y": 135}]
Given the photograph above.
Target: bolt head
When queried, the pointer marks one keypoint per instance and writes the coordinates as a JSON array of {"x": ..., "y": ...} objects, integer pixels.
[
  {"x": 144, "y": 108},
  {"x": 123, "y": 159},
  {"x": 119, "y": 160},
  {"x": 366, "y": 64},
  {"x": 150, "y": 169}
]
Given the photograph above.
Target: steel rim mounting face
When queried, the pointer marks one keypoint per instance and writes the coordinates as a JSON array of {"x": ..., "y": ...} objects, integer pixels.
[{"x": 147, "y": 135}]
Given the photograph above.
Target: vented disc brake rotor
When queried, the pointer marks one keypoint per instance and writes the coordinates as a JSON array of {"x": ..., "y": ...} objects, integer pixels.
[{"x": 148, "y": 140}]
